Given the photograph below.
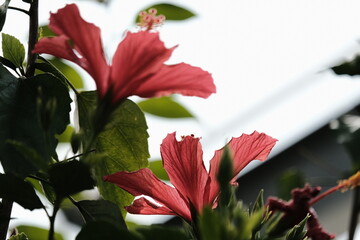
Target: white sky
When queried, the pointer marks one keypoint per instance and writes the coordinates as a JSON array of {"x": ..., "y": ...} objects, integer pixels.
[{"x": 268, "y": 59}]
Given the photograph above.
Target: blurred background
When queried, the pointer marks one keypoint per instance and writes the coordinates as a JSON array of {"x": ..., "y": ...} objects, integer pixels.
[{"x": 271, "y": 62}]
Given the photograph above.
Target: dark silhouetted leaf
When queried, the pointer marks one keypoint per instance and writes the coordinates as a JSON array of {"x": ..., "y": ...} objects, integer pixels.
[
  {"x": 101, "y": 230},
  {"x": 3, "y": 11},
  {"x": 171, "y": 12},
  {"x": 13, "y": 50},
  {"x": 348, "y": 68},
  {"x": 17, "y": 190},
  {"x": 162, "y": 233},
  {"x": 37, "y": 233},
  {"x": 158, "y": 169},
  {"x": 101, "y": 210},
  {"x": 7, "y": 63},
  {"x": 70, "y": 177},
  {"x": 164, "y": 107},
  {"x": 33, "y": 111}
]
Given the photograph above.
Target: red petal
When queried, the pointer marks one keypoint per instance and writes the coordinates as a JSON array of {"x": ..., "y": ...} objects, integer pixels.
[
  {"x": 85, "y": 37},
  {"x": 144, "y": 206},
  {"x": 245, "y": 149},
  {"x": 57, "y": 46},
  {"x": 180, "y": 78},
  {"x": 144, "y": 182},
  {"x": 137, "y": 57},
  {"x": 185, "y": 167}
]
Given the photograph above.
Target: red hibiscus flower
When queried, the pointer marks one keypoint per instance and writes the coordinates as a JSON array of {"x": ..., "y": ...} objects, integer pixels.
[
  {"x": 137, "y": 66},
  {"x": 194, "y": 187}
]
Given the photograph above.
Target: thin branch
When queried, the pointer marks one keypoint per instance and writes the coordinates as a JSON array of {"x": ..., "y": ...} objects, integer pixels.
[{"x": 19, "y": 9}]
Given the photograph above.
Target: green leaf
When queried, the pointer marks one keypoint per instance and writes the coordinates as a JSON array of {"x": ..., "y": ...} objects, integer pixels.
[
  {"x": 171, "y": 12},
  {"x": 70, "y": 177},
  {"x": 101, "y": 210},
  {"x": 3, "y": 11},
  {"x": 7, "y": 63},
  {"x": 259, "y": 202},
  {"x": 13, "y": 50},
  {"x": 45, "y": 31},
  {"x": 65, "y": 137},
  {"x": 17, "y": 190},
  {"x": 36, "y": 233},
  {"x": 298, "y": 232},
  {"x": 123, "y": 147},
  {"x": 69, "y": 72},
  {"x": 61, "y": 70},
  {"x": 32, "y": 111},
  {"x": 86, "y": 105},
  {"x": 101, "y": 230},
  {"x": 164, "y": 107},
  {"x": 158, "y": 169},
  {"x": 210, "y": 224},
  {"x": 20, "y": 236}
]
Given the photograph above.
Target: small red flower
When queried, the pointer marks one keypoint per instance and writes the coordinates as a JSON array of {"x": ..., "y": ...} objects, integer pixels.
[
  {"x": 137, "y": 66},
  {"x": 194, "y": 187}
]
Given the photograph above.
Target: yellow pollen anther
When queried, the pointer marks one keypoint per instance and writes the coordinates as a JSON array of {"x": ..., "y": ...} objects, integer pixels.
[
  {"x": 149, "y": 20},
  {"x": 351, "y": 182}
]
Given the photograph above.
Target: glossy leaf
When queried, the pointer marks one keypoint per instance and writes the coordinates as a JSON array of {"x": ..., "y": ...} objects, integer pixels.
[
  {"x": 158, "y": 169},
  {"x": 70, "y": 177},
  {"x": 171, "y": 12},
  {"x": 17, "y": 190},
  {"x": 37, "y": 233},
  {"x": 123, "y": 147},
  {"x": 3, "y": 11},
  {"x": 33, "y": 111},
  {"x": 13, "y": 50},
  {"x": 101, "y": 230},
  {"x": 164, "y": 107},
  {"x": 101, "y": 210}
]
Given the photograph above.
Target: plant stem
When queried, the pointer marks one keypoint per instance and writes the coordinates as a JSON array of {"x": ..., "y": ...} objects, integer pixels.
[
  {"x": 33, "y": 37},
  {"x": 52, "y": 219},
  {"x": 5, "y": 214},
  {"x": 354, "y": 213}
]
